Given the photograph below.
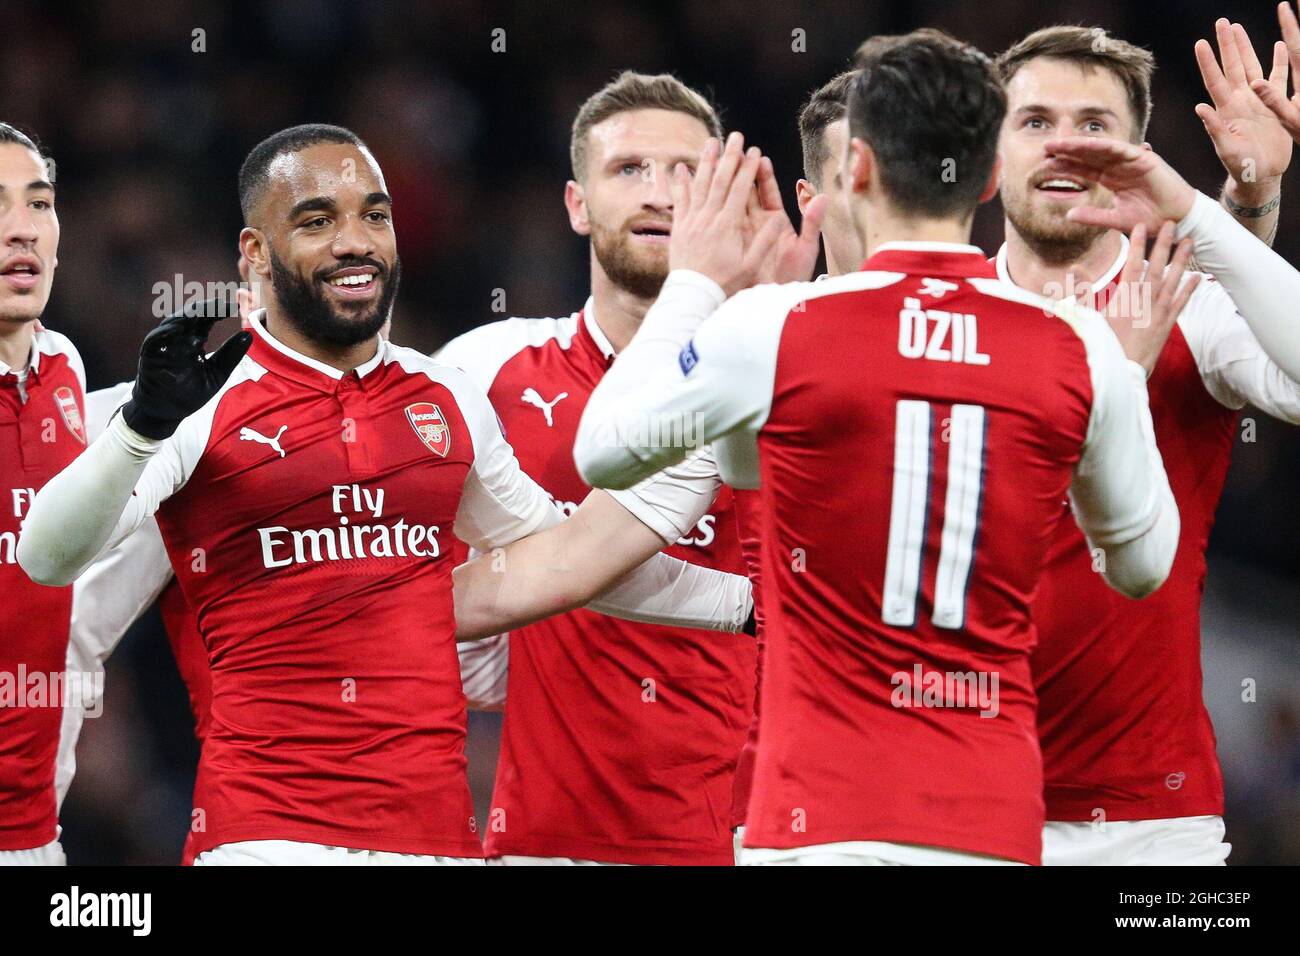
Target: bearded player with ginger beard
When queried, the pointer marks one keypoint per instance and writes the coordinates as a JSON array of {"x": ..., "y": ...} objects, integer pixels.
[
  {"x": 330, "y": 626},
  {"x": 1131, "y": 774},
  {"x": 620, "y": 741}
]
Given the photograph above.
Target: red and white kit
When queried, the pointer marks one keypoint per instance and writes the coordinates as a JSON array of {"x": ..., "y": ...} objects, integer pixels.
[
  {"x": 1124, "y": 729},
  {"x": 308, "y": 516},
  {"x": 620, "y": 740},
  {"x": 42, "y": 429},
  {"x": 916, "y": 426}
]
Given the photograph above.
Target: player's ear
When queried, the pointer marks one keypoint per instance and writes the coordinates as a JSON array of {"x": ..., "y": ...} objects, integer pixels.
[
  {"x": 804, "y": 193},
  {"x": 995, "y": 176},
  {"x": 575, "y": 201},
  {"x": 253, "y": 248},
  {"x": 862, "y": 162}
]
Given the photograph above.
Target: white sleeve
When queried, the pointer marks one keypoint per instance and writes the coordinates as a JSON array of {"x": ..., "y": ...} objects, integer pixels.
[
  {"x": 500, "y": 503},
  {"x": 682, "y": 381},
  {"x": 1233, "y": 365},
  {"x": 101, "y": 404},
  {"x": 106, "y": 601},
  {"x": 1262, "y": 290},
  {"x": 1120, "y": 493},
  {"x": 114, "y": 591},
  {"x": 666, "y": 590},
  {"x": 484, "y": 671},
  {"x": 672, "y": 502}
]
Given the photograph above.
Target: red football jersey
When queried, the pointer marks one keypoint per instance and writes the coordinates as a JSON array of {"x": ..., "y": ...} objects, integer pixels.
[
  {"x": 1121, "y": 716},
  {"x": 307, "y": 514},
  {"x": 42, "y": 429},
  {"x": 620, "y": 739}
]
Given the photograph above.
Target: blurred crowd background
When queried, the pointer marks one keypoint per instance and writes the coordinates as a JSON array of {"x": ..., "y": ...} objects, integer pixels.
[{"x": 148, "y": 122}]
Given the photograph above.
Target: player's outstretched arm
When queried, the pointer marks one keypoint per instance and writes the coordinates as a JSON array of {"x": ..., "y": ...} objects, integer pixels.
[
  {"x": 1249, "y": 139},
  {"x": 1147, "y": 190},
  {"x": 90, "y": 503},
  {"x": 580, "y": 562}
]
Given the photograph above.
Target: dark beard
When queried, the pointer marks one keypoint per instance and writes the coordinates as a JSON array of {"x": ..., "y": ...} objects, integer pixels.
[
  {"x": 620, "y": 264},
  {"x": 304, "y": 304}
]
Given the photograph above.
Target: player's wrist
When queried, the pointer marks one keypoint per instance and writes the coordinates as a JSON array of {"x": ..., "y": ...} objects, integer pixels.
[
  {"x": 688, "y": 276},
  {"x": 146, "y": 424},
  {"x": 133, "y": 442},
  {"x": 1252, "y": 200}
]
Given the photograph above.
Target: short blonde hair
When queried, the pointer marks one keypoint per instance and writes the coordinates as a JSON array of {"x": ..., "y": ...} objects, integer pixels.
[{"x": 636, "y": 91}]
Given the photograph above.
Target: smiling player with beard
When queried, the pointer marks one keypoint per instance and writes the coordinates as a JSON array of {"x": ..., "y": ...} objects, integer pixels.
[{"x": 1131, "y": 773}]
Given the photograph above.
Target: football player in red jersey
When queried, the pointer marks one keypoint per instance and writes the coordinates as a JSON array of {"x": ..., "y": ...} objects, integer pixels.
[
  {"x": 307, "y": 476},
  {"x": 127, "y": 579},
  {"x": 42, "y": 428},
  {"x": 914, "y": 426},
  {"x": 1130, "y": 767},
  {"x": 620, "y": 741}
]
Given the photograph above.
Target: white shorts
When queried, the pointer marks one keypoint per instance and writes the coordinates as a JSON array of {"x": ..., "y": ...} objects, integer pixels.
[
  {"x": 512, "y": 860},
  {"x": 1180, "y": 841},
  {"x": 291, "y": 853},
  {"x": 867, "y": 853},
  {"x": 738, "y": 843},
  {"x": 49, "y": 855}
]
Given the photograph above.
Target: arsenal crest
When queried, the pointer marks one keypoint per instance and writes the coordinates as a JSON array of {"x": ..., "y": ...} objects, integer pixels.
[
  {"x": 426, "y": 418},
  {"x": 71, "y": 414}
]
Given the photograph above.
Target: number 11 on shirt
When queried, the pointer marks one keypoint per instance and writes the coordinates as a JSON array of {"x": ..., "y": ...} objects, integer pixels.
[{"x": 913, "y": 462}]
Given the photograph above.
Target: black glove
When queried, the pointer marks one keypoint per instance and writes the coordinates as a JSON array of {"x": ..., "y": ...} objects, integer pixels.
[{"x": 176, "y": 378}]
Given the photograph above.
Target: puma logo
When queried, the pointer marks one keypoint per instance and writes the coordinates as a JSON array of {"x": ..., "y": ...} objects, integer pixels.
[
  {"x": 532, "y": 398},
  {"x": 247, "y": 434}
]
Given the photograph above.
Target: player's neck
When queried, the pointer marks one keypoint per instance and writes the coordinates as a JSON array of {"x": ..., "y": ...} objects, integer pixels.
[
  {"x": 618, "y": 312},
  {"x": 343, "y": 358},
  {"x": 1032, "y": 271},
  {"x": 16, "y": 343},
  {"x": 881, "y": 227}
]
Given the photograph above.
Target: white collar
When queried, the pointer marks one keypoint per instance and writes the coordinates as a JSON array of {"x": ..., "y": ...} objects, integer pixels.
[
  {"x": 33, "y": 360},
  {"x": 255, "y": 321},
  {"x": 594, "y": 329},
  {"x": 1104, "y": 280}
]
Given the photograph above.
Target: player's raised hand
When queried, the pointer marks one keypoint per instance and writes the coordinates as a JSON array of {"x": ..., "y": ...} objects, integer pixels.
[
  {"x": 1146, "y": 189},
  {"x": 176, "y": 377},
  {"x": 780, "y": 254},
  {"x": 1151, "y": 294},
  {"x": 1270, "y": 94},
  {"x": 709, "y": 214},
  {"x": 1250, "y": 141}
]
